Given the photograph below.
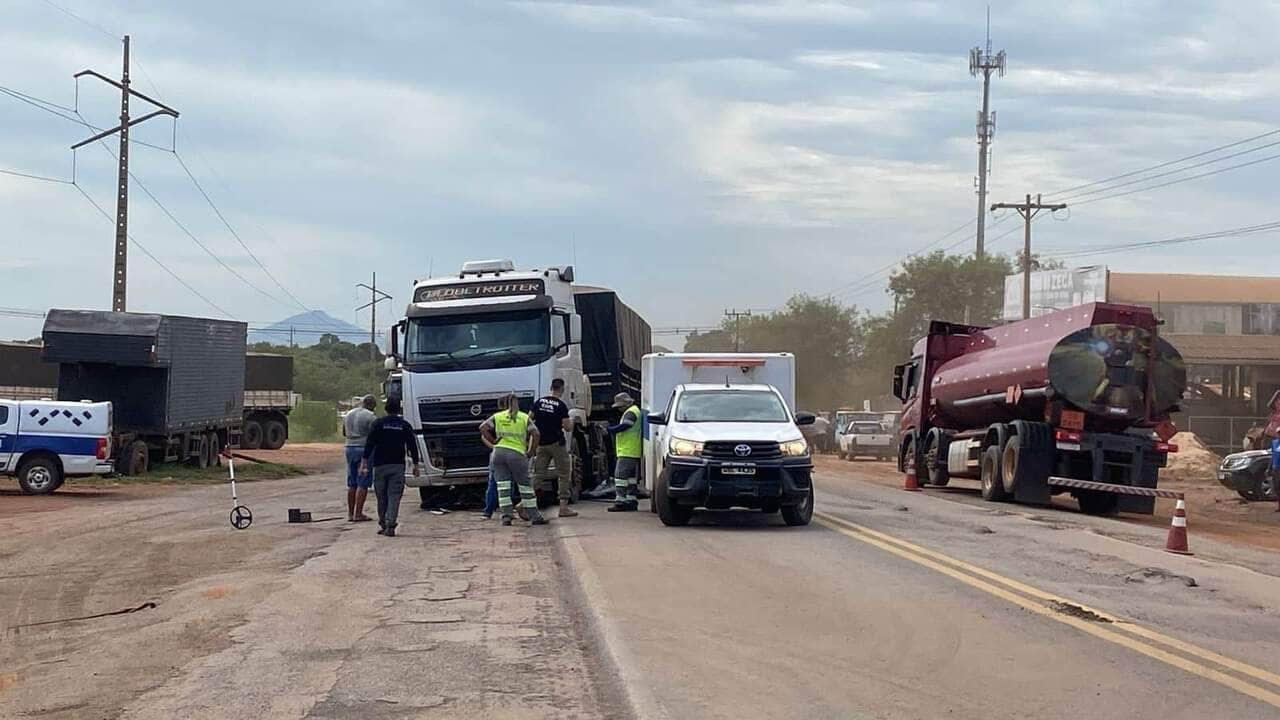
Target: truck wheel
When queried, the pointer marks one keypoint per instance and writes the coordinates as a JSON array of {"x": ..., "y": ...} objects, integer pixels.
[
  {"x": 1093, "y": 502},
  {"x": 251, "y": 435},
  {"x": 39, "y": 475},
  {"x": 213, "y": 448},
  {"x": 935, "y": 474},
  {"x": 575, "y": 479},
  {"x": 796, "y": 515},
  {"x": 201, "y": 457},
  {"x": 669, "y": 512},
  {"x": 992, "y": 483},
  {"x": 136, "y": 458},
  {"x": 273, "y": 435},
  {"x": 842, "y": 455}
]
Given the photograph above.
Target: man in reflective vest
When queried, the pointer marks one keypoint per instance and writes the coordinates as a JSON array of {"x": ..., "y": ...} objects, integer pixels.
[
  {"x": 513, "y": 440},
  {"x": 627, "y": 446}
]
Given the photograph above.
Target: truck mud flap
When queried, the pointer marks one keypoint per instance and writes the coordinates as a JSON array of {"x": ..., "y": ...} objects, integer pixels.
[{"x": 1036, "y": 446}]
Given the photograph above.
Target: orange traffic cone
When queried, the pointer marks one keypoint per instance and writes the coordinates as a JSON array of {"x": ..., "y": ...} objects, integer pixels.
[
  {"x": 1177, "y": 542},
  {"x": 912, "y": 483}
]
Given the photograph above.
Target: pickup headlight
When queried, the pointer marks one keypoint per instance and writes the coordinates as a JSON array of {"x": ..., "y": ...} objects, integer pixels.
[
  {"x": 794, "y": 448},
  {"x": 685, "y": 448},
  {"x": 1236, "y": 463}
]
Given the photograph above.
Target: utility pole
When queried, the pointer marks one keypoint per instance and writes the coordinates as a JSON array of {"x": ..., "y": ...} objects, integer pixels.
[
  {"x": 1028, "y": 210},
  {"x": 119, "y": 276},
  {"x": 984, "y": 63},
  {"x": 737, "y": 316},
  {"x": 375, "y": 296}
]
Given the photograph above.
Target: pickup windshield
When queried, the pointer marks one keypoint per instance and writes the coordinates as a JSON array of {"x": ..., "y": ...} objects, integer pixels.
[
  {"x": 479, "y": 341},
  {"x": 731, "y": 406}
]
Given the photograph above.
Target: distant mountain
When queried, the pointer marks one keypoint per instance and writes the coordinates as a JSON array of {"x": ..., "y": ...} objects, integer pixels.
[{"x": 307, "y": 328}]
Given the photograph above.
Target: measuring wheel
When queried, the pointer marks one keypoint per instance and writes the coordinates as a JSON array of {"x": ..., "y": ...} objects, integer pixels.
[{"x": 241, "y": 517}]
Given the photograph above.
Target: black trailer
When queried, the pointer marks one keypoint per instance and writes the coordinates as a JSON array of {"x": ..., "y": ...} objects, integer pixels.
[
  {"x": 614, "y": 339},
  {"x": 268, "y": 399},
  {"x": 176, "y": 384}
]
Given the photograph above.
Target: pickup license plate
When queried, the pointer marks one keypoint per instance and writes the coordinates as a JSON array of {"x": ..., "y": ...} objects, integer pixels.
[{"x": 738, "y": 470}]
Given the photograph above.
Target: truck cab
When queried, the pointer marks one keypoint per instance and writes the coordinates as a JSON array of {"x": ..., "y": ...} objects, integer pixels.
[
  {"x": 42, "y": 442},
  {"x": 729, "y": 444}
]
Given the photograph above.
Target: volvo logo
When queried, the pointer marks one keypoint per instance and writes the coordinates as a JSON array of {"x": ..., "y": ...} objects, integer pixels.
[
  {"x": 476, "y": 410},
  {"x": 742, "y": 450}
]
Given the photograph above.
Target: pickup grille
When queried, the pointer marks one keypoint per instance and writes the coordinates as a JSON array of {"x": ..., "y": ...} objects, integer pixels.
[
  {"x": 724, "y": 450},
  {"x": 448, "y": 411}
]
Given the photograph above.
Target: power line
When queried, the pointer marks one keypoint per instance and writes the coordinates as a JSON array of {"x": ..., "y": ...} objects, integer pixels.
[
  {"x": 1167, "y": 173},
  {"x": 1127, "y": 247},
  {"x": 235, "y": 234},
  {"x": 151, "y": 255},
  {"x": 1167, "y": 163},
  {"x": 1180, "y": 180},
  {"x": 15, "y": 173},
  {"x": 87, "y": 23},
  {"x": 78, "y": 119}
]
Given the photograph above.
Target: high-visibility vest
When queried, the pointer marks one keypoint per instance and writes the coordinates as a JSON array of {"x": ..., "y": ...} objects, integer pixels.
[
  {"x": 512, "y": 432},
  {"x": 627, "y": 444}
]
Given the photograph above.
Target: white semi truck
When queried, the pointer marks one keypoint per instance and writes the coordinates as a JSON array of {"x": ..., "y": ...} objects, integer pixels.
[{"x": 468, "y": 339}]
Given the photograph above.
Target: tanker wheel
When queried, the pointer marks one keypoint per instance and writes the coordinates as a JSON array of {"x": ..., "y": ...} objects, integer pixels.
[
  {"x": 936, "y": 473},
  {"x": 1093, "y": 502},
  {"x": 992, "y": 483},
  {"x": 1009, "y": 465}
]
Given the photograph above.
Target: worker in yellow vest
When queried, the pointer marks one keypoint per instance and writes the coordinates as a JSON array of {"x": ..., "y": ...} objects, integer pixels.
[
  {"x": 627, "y": 446},
  {"x": 513, "y": 440}
]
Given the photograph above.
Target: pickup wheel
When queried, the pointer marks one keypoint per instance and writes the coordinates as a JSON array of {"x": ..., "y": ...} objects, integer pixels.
[
  {"x": 796, "y": 515},
  {"x": 842, "y": 455},
  {"x": 273, "y": 435},
  {"x": 39, "y": 474},
  {"x": 136, "y": 459},
  {"x": 251, "y": 435},
  {"x": 669, "y": 512},
  {"x": 992, "y": 482}
]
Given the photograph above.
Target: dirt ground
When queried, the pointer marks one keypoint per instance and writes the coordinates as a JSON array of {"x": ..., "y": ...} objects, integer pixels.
[
  {"x": 310, "y": 457},
  {"x": 1212, "y": 510}
]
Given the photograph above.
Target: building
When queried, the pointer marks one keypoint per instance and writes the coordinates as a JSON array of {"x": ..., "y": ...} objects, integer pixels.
[{"x": 1226, "y": 327}]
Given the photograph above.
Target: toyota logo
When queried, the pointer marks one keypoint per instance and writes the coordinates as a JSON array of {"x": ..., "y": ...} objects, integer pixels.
[
  {"x": 742, "y": 450},
  {"x": 476, "y": 410}
]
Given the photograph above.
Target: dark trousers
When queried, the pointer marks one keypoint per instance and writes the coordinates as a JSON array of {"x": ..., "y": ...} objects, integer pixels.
[{"x": 388, "y": 485}]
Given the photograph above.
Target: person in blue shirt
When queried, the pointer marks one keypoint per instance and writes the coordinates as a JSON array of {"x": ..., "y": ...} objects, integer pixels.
[{"x": 1275, "y": 470}]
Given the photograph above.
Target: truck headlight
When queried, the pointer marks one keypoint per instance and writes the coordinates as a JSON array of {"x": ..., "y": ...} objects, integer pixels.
[
  {"x": 685, "y": 448},
  {"x": 794, "y": 448}
]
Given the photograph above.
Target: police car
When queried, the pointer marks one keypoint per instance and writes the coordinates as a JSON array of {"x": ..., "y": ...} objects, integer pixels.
[{"x": 42, "y": 442}]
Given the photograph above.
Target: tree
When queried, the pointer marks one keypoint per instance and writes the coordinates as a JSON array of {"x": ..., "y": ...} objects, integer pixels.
[
  {"x": 332, "y": 369},
  {"x": 710, "y": 341},
  {"x": 938, "y": 286},
  {"x": 1038, "y": 263}
]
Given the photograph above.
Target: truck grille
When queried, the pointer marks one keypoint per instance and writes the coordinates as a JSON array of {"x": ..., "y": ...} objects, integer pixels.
[
  {"x": 476, "y": 409},
  {"x": 456, "y": 448},
  {"x": 724, "y": 450}
]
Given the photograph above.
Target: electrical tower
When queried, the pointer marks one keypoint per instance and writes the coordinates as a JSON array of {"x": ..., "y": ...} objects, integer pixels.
[
  {"x": 375, "y": 296},
  {"x": 1028, "y": 210},
  {"x": 119, "y": 276},
  {"x": 982, "y": 62}
]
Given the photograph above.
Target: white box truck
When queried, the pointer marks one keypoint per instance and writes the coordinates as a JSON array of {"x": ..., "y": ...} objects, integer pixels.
[{"x": 721, "y": 431}]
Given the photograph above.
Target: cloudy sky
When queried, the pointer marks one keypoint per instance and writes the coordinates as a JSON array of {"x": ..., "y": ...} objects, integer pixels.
[{"x": 694, "y": 155}]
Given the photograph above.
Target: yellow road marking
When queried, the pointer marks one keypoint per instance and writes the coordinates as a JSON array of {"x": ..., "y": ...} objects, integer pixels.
[
  {"x": 922, "y": 557},
  {"x": 1120, "y": 623}
]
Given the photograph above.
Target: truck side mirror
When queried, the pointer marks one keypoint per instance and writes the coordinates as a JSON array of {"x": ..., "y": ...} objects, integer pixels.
[
  {"x": 659, "y": 419},
  {"x": 389, "y": 363},
  {"x": 805, "y": 418},
  {"x": 898, "y": 372},
  {"x": 575, "y": 328}
]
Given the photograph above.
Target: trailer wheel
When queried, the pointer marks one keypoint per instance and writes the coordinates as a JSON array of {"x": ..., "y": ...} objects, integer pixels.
[
  {"x": 251, "y": 435},
  {"x": 213, "y": 448},
  {"x": 136, "y": 458},
  {"x": 39, "y": 474},
  {"x": 273, "y": 435},
  {"x": 992, "y": 483},
  {"x": 670, "y": 512},
  {"x": 1093, "y": 502}
]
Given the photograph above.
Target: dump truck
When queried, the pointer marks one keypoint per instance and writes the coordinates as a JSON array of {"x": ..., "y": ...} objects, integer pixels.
[
  {"x": 175, "y": 384},
  {"x": 468, "y": 339},
  {"x": 24, "y": 375},
  {"x": 1083, "y": 393},
  {"x": 268, "y": 400}
]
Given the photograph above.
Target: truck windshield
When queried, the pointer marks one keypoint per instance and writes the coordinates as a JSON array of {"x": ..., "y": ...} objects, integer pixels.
[
  {"x": 731, "y": 406},
  {"x": 479, "y": 341}
]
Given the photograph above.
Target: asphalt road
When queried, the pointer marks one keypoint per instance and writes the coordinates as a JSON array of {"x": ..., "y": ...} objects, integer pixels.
[{"x": 902, "y": 605}]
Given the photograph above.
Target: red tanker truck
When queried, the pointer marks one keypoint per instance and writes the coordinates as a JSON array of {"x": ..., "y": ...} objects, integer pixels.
[{"x": 1082, "y": 393}]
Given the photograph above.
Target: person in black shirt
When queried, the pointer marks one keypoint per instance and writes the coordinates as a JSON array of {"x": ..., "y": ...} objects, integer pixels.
[
  {"x": 389, "y": 439},
  {"x": 551, "y": 416}
]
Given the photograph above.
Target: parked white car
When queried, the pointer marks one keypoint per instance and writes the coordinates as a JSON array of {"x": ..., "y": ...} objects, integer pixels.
[
  {"x": 42, "y": 442},
  {"x": 863, "y": 438}
]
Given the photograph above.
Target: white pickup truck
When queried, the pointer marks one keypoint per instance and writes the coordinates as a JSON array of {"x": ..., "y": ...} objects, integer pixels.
[
  {"x": 42, "y": 442},
  {"x": 866, "y": 438}
]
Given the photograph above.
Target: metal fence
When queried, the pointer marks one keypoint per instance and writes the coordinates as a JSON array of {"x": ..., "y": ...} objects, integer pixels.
[{"x": 1222, "y": 434}]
